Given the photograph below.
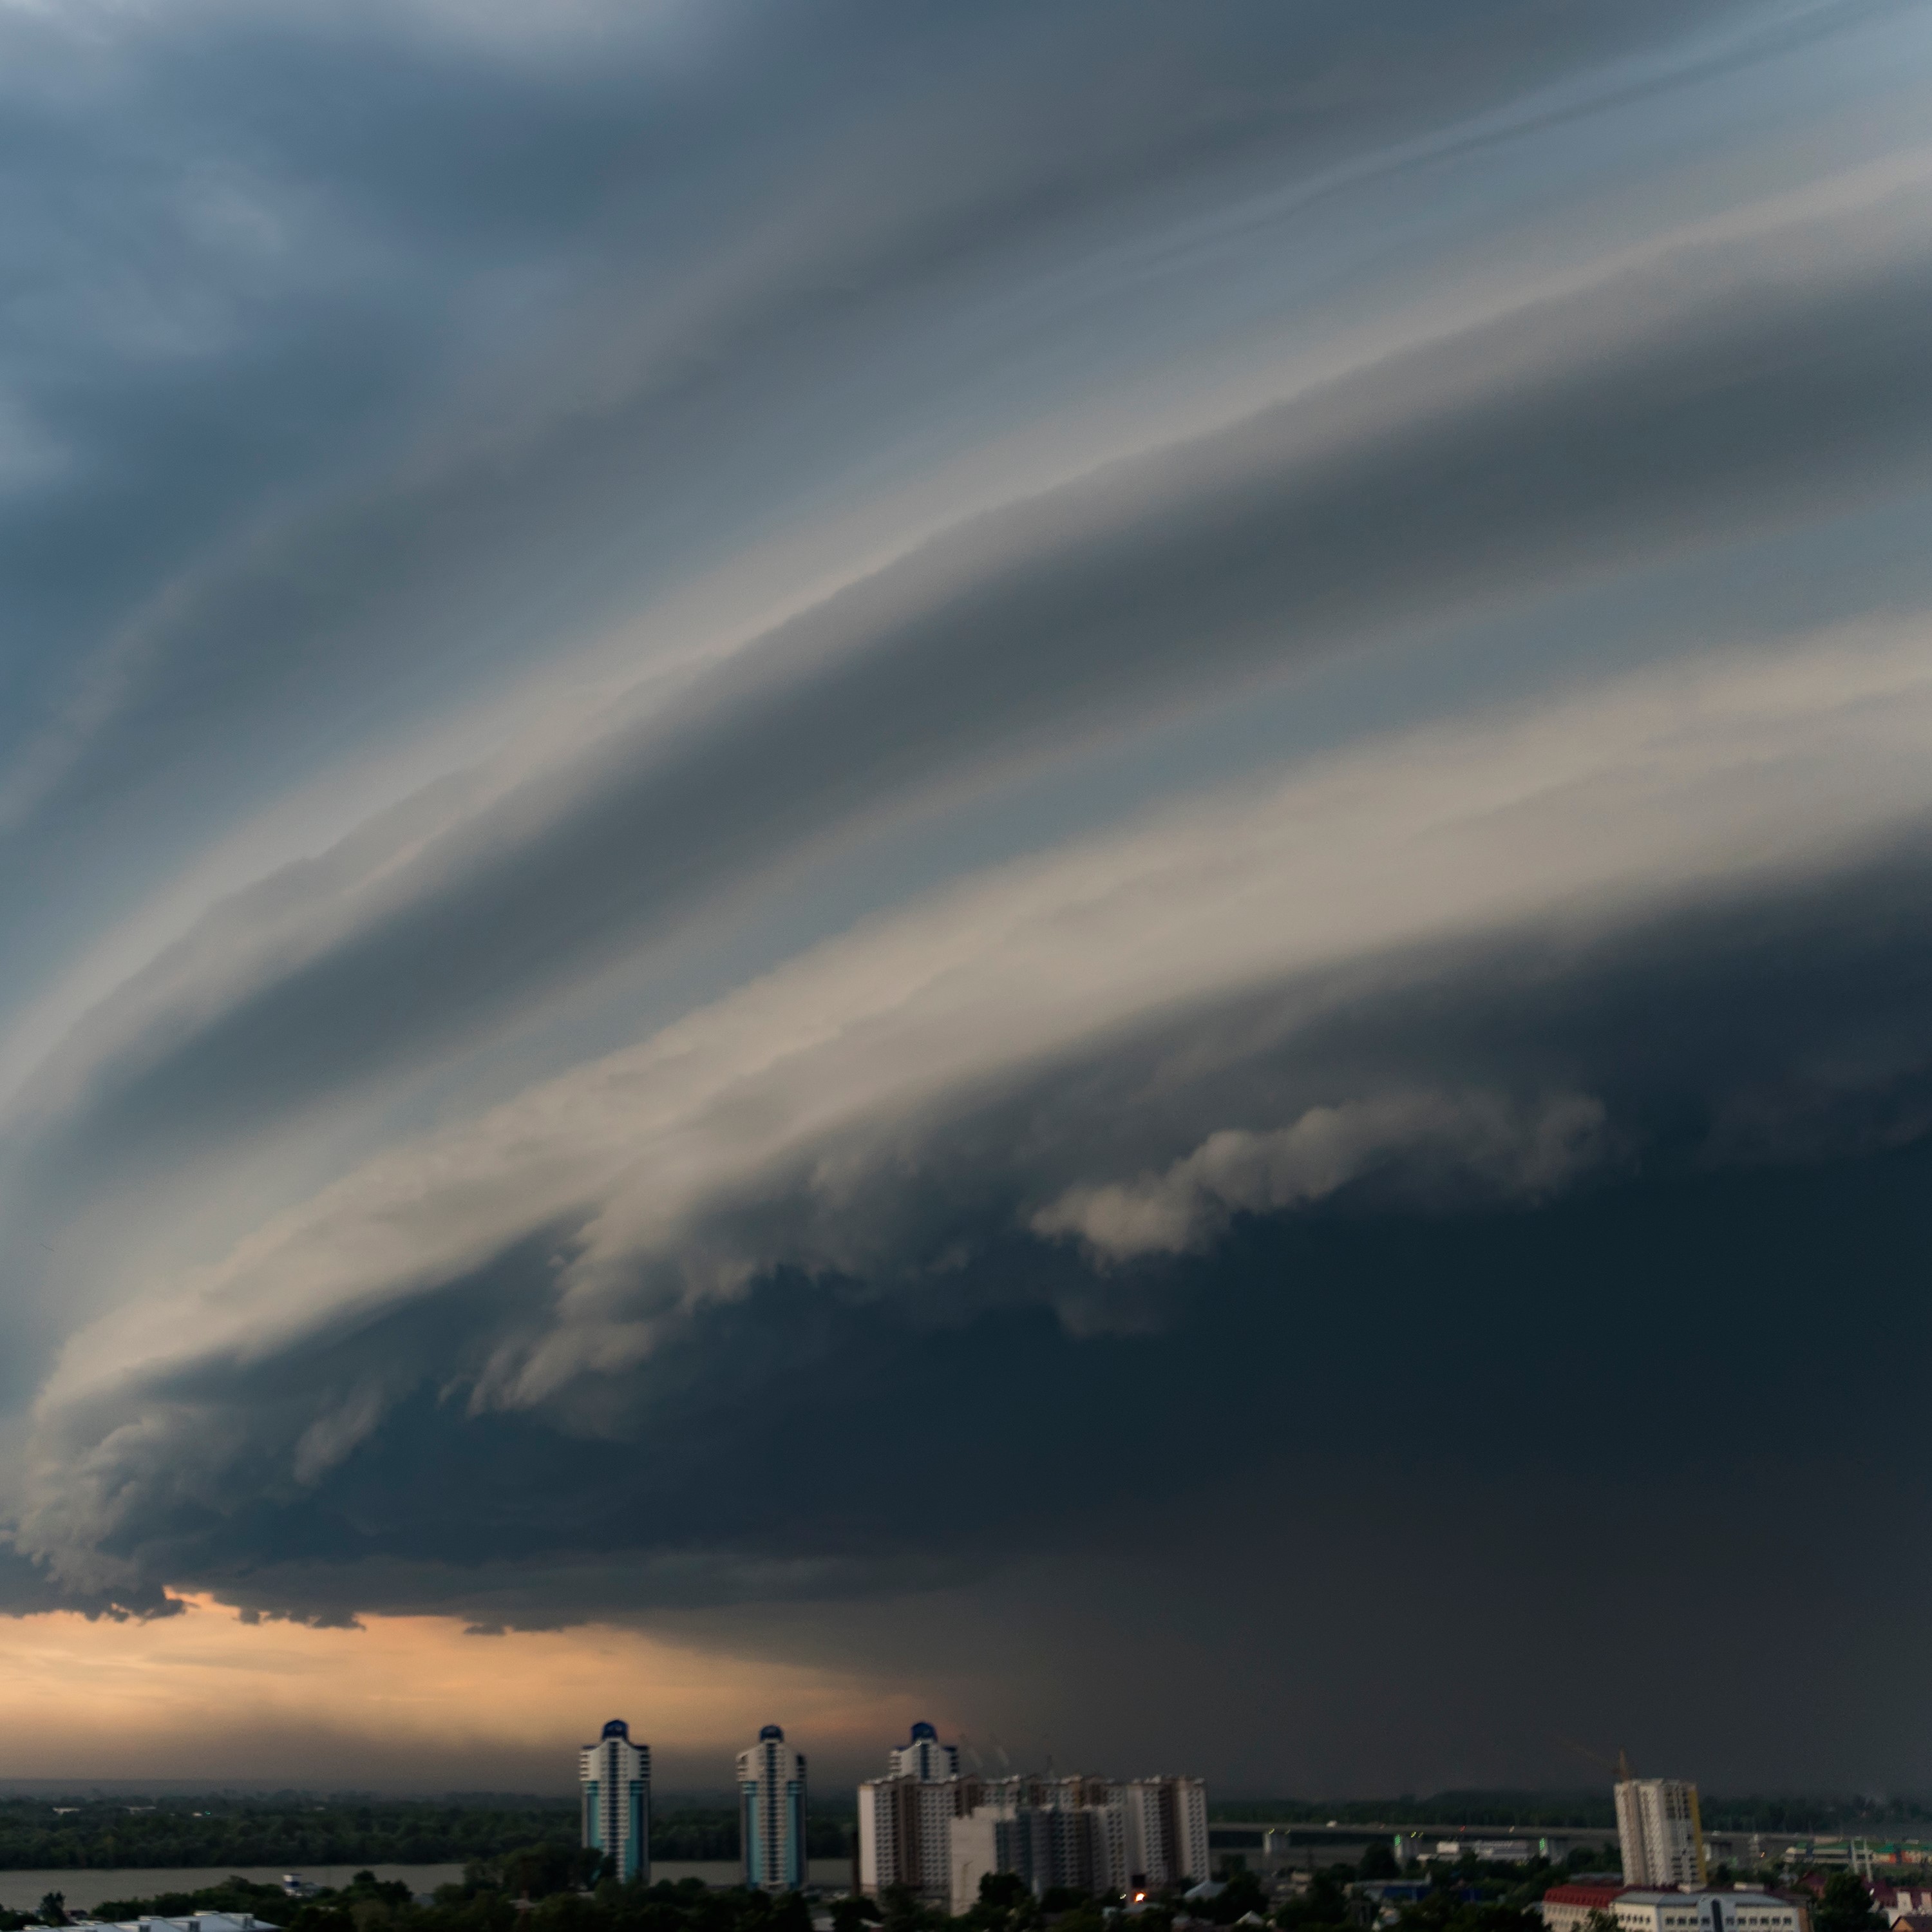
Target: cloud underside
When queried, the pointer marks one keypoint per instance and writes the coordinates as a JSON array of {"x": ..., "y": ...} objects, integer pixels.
[
  {"x": 795, "y": 828},
  {"x": 1525, "y": 454},
  {"x": 1465, "y": 977}
]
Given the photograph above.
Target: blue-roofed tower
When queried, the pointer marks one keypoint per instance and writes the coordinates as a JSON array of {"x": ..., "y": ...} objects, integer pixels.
[
  {"x": 771, "y": 1801},
  {"x": 924, "y": 1757},
  {"x": 616, "y": 1775}
]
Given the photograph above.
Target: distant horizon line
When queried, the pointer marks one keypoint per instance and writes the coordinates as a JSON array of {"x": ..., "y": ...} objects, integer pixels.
[{"x": 82, "y": 1785}]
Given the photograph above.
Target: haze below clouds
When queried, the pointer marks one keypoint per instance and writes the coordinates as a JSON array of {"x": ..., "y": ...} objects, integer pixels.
[{"x": 1059, "y": 869}]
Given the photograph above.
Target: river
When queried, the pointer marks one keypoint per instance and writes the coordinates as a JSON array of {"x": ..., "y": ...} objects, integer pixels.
[{"x": 83, "y": 1890}]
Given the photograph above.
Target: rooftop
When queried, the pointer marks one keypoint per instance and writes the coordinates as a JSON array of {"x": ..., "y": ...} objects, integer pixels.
[{"x": 192, "y": 1921}]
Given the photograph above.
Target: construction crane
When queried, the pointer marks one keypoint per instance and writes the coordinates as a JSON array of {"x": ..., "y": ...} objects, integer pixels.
[{"x": 1621, "y": 1769}]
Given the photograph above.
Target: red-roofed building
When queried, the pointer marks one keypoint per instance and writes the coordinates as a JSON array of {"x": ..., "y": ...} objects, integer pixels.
[{"x": 1565, "y": 1907}]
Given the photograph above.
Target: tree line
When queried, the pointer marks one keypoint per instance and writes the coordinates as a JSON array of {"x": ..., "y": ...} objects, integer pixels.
[
  {"x": 550, "y": 1887},
  {"x": 293, "y": 1830},
  {"x": 1581, "y": 1811}
]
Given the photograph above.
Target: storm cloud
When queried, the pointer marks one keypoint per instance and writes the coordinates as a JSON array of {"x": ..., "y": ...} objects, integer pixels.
[{"x": 1189, "y": 742}]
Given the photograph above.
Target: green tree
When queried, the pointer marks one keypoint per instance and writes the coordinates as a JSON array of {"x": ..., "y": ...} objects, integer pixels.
[
  {"x": 566, "y": 1911},
  {"x": 1325, "y": 1903},
  {"x": 1378, "y": 1862},
  {"x": 1004, "y": 1890},
  {"x": 901, "y": 1910},
  {"x": 365, "y": 1888},
  {"x": 1846, "y": 1905},
  {"x": 53, "y": 1908},
  {"x": 1595, "y": 1858},
  {"x": 1005, "y": 1904},
  {"x": 1243, "y": 1894},
  {"x": 850, "y": 1913},
  {"x": 1083, "y": 1915},
  {"x": 235, "y": 1894},
  {"x": 1445, "y": 1910},
  {"x": 899, "y": 1907},
  {"x": 536, "y": 1871}
]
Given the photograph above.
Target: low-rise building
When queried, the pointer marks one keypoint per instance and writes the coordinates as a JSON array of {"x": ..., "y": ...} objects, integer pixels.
[
  {"x": 1487, "y": 1851},
  {"x": 1669, "y": 1909},
  {"x": 195, "y": 1922},
  {"x": 1567, "y": 1907},
  {"x": 1902, "y": 1901}
]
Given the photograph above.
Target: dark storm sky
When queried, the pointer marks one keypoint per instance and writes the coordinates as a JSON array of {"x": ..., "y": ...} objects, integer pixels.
[{"x": 1077, "y": 856}]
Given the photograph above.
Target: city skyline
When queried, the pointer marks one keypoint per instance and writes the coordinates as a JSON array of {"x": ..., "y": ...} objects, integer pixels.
[{"x": 1052, "y": 868}]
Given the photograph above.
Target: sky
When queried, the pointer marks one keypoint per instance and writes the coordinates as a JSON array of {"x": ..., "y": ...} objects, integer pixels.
[{"x": 1064, "y": 867}]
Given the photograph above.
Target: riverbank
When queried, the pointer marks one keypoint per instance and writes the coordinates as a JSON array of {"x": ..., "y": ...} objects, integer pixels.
[{"x": 84, "y": 1889}]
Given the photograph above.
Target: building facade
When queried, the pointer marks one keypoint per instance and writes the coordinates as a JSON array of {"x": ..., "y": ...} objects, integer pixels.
[
  {"x": 1045, "y": 1845},
  {"x": 1653, "y": 1909},
  {"x": 771, "y": 1813},
  {"x": 924, "y": 1757},
  {"x": 615, "y": 1775},
  {"x": 905, "y": 1818},
  {"x": 1566, "y": 1907},
  {"x": 1166, "y": 1832},
  {"x": 1146, "y": 1834},
  {"x": 904, "y": 1827},
  {"x": 1660, "y": 1832}
]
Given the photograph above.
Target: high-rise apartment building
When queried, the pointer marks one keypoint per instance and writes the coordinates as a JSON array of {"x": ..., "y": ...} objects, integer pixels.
[
  {"x": 771, "y": 1813},
  {"x": 1144, "y": 1835},
  {"x": 616, "y": 1777},
  {"x": 905, "y": 1819},
  {"x": 1661, "y": 1836},
  {"x": 923, "y": 1756},
  {"x": 1045, "y": 1845},
  {"x": 905, "y": 1833},
  {"x": 1166, "y": 1832}
]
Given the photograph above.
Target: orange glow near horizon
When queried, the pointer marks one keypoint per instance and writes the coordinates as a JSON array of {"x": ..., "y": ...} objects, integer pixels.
[{"x": 406, "y": 1700}]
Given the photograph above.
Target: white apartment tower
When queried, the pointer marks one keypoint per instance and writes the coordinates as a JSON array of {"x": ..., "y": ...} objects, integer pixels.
[
  {"x": 905, "y": 1818},
  {"x": 1166, "y": 1832},
  {"x": 771, "y": 1813},
  {"x": 924, "y": 1757},
  {"x": 616, "y": 1777},
  {"x": 1090, "y": 1833},
  {"x": 1661, "y": 1836}
]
